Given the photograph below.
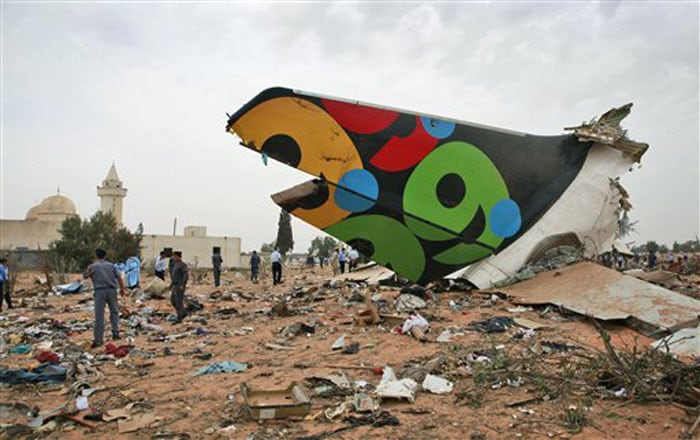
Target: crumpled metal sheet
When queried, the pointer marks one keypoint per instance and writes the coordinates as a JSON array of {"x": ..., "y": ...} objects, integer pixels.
[
  {"x": 371, "y": 274},
  {"x": 685, "y": 342},
  {"x": 602, "y": 293}
]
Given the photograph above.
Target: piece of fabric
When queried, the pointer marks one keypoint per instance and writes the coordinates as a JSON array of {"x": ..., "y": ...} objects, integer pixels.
[
  {"x": 21, "y": 349},
  {"x": 221, "y": 367},
  {"x": 497, "y": 324},
  {"x": 119, "y": 352},
  {"x": 48, "y": 356},
  {"x": 46, "y": 372},
  {"x": 133, "y": 268}
]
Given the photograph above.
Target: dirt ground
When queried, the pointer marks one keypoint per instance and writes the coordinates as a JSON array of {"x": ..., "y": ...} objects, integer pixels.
[{"x": 156, "y": 378}]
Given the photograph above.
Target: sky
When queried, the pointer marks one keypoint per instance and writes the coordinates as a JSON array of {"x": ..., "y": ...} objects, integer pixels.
[{"x": 148, "y": 86}]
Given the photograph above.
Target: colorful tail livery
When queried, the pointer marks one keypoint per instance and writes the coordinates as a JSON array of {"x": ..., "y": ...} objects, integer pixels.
[{"x": 419, "y": 194}]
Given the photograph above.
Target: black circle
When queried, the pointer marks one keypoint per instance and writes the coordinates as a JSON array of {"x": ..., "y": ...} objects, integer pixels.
[
  {"x": 283, "y": 148},
  {"x": 365, "y": 247},
  {"x": 450, "y": 190}
]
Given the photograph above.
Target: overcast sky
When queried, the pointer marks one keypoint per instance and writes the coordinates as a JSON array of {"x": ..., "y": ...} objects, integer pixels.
[{"x": 148, "y": 86}]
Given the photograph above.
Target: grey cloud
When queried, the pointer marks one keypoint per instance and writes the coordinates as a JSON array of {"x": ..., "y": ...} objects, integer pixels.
[{"x": 148, "y": 85}]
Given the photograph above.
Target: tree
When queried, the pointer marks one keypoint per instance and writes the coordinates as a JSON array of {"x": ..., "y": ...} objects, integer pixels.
[
  {"x": 267, "y": 247},
  {"x": 322, "y": 247},
  {"x": 652, "y": 246},
  {"x": 285, "y": 241},
  {"x": 80, "y": 238}
]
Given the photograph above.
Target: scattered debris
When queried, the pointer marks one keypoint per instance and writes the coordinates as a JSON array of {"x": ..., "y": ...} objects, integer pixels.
[
  {"x": 497, "y": 324},
  {"x": 602, "y": 293},
  {"x": 339, "y": 343},
  {"x": 391, "y": 388},
  {"x": 221, "y": 367},
  {"x": 437, "y": 384},
  {"x": 275, "y": 404},
  {"x": 407, "y": 302}
]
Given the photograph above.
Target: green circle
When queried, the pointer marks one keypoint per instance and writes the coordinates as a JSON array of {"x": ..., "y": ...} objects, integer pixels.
[{"x": 430, "y": 219}]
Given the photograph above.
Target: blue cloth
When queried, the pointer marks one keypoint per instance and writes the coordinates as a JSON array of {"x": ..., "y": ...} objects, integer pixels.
[
  {"x": 21, "y": 349},
  {"x": 73, "y": 288},
  {"x": 133, "y": 265},
  {"x": 221, "y": 367},
  {"x": 46, "y": 372},
  {"x": 4, "y": 273}
]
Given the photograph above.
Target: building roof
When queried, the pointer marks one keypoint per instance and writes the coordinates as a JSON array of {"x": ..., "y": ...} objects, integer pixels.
[
  {"x": 112, "y": 179},
  {"x": 51, "y": 206}
]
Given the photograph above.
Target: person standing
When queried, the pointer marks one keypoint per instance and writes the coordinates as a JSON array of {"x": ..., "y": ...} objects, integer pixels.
[
  {"x": 216, "y": 262},
  {"x": 342, "y": 259},
  {"x": 276, "y": 260},
  {"x": 178, "y": 281},
  {"x": 652, "y": 259},
  {"x": 334, "y": 262},
  {"x": 132, "y": 271},
  {"x": 254, "y": 266},
  {"x": 160, "y": 266},
  {"x": 353, "y": 257},
  {"x": 5, "y": 284},
  {"x": 105, "y": 278}
]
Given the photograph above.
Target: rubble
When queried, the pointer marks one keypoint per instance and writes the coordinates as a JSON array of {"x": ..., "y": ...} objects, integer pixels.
[
  {"x": 545, "y": 359},
  {"x": 593, "y": 290}
]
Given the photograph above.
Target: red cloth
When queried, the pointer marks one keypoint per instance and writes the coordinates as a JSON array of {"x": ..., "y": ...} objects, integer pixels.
[
  {"x": 48, "y": 356},
  {"x": 119, "y": 352}
]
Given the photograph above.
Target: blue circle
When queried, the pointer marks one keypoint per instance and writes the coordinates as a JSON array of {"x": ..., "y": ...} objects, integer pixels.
[
  {"x": 362, "y": 194},
  {"x": 437, "y": 128},
  {"x": 504, "y": 219}
]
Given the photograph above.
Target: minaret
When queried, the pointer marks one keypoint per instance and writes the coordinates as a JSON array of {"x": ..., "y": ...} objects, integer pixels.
[{"x": 111, "y": 194}]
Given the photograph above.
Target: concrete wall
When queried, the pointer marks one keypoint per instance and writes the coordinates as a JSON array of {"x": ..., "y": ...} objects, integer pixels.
[
  {"x": 30, "y": 234},
  {"x": 195, "y": 231},
  {"x": 25, "y": 260},
  {"x": 194, "y": 249}
]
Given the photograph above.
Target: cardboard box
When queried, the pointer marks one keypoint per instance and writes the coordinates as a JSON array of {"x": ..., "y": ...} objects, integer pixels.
[{"x": 276, "y": 404}]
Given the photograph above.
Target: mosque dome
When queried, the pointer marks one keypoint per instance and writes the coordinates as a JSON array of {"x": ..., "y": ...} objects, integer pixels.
[{"x": 56, "y": 207}]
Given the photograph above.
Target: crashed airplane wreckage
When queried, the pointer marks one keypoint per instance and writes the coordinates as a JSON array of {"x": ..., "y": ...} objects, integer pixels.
[{"x": 428, "y": 196}]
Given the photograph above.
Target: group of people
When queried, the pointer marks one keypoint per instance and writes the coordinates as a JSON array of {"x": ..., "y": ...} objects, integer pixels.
[
  {"x": 341, "y": 258},
  {"x": 276, "y": 262},
  {"x": 107, "y": 280}
]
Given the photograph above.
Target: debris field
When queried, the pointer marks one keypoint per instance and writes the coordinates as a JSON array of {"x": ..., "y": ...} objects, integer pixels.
[{"x": 322, "y": 357}]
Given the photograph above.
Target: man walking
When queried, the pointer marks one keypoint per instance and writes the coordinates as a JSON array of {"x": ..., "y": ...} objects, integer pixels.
[
  {"x": 178, "y": 282},
  {"x": 342, "y": 259},
  {"x": 254, "y": 266},
  {"x": 276, "y": 259},
  {"x": 105, "y": 279},
  {"x": 160, "y": 266},
  {"x": 5, "y": 284},
  {"x": 216, "y": 262}
]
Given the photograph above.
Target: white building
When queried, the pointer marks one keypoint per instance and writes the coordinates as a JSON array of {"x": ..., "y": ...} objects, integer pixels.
[
  {"x": 42, "y": 222},
  {"x": 39, "y": 227},
  {"x": 196, "y": 247}
]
